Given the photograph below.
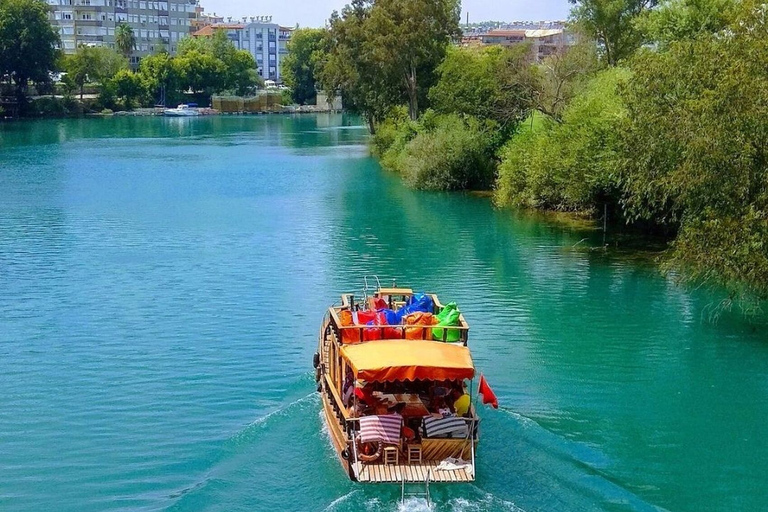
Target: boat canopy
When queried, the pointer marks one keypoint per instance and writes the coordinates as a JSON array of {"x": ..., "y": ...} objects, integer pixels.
[{"x": 393, "y": 360}]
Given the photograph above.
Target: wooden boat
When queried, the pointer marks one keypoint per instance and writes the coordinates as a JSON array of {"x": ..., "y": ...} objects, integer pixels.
[{"x": 369, "y": 376}]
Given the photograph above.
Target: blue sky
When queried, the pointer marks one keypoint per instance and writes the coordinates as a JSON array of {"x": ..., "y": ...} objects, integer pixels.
[{"x": 313, "y": 13}]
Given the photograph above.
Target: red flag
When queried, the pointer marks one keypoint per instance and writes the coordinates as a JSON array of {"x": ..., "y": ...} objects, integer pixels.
[{"x": 487, "y": 393}]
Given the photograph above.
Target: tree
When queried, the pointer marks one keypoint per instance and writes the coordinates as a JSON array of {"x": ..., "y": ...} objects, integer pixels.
[
  {"x": 238, "y": 69},
  {"x": 408, "y": 39},
  {"x": 27, "y": 44},
  {"x": 488, "y": 83},
  {"x": 128, "y": 86},
  {"x": 384, "y": 53},
  {"x": 93, "y": 64},
  {"x": 572, "y": 164},
  {"x": 160, "y": 76},
  {"x": 612, "y": 24},
  {"x": 298, "y": 67},
  {"x": 676, "y": 20},
  {"x": 696, "y": 151},
  {"x": 561, "y": 75},
  {"x": 350, "y": 67},
  {"x": 125, "y": 40},
  {"x": 242, "y": 77},
  {"x": 201, "y": 72}
]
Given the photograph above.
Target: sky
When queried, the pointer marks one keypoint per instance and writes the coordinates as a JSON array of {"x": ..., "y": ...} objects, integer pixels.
[{"x": 313, "y": 13}]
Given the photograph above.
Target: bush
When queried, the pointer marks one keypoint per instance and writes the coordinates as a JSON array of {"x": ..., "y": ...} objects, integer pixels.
[
  {"x": 444, "y": 152},
  {"x": 572, "y": 165},
  {"x": 55, "y": 107}
]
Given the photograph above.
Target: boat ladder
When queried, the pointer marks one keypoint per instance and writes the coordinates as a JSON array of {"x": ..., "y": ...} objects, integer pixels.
[{"x": 415, "y": 493}]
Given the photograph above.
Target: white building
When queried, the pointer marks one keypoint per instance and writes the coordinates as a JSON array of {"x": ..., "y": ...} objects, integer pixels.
[{"x": 266, "y": 41}]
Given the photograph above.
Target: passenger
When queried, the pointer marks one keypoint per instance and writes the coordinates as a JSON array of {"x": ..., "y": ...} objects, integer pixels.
[
  {"x": 348, "y": 389},
  {"x": 460, "y": 403},
  {"x": 442, "y": 408}
]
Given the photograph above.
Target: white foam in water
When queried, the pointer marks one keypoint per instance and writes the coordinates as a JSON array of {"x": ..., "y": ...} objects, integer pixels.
[
  {"x": 338, "y": 501},
  {"x": 416, "y": 505}
]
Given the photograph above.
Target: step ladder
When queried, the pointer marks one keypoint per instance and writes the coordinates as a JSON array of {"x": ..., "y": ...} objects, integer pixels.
[{"x": 415, "y": 493}]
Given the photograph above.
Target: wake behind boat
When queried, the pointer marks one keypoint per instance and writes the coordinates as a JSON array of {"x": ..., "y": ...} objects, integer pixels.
[{"x": 395, "y": 375}]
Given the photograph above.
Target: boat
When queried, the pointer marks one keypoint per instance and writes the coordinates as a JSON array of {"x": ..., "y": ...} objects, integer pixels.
[
  {"x": 182, "y": 110},
  {"x": 396, "y": 386}
]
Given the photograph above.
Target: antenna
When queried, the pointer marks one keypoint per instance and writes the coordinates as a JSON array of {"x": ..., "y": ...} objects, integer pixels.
[{"x": 467, "y": 17}]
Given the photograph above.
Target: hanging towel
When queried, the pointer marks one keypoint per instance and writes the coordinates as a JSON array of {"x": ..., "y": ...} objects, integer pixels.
[
  {"x": 445, "y": 427},
  {"x": 385, "y": 428}
]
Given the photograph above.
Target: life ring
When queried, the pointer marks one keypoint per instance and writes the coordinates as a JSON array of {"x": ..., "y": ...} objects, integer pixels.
[{"x": 368, "y": 457}]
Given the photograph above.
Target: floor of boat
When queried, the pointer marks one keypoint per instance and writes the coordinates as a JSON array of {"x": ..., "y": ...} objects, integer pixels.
[{"x": 414, "y": 472}]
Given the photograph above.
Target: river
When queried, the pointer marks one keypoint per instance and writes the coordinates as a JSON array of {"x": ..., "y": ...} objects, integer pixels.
[{"x": 162, "y": 283}]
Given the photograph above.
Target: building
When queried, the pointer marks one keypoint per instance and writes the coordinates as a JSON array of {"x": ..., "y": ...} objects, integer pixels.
[
  {"x": 155, "y": 25},
  {"x": 545, "y": 39},
  {"x": 266, "y": 41},
  {"x": 203, "y": 19}
]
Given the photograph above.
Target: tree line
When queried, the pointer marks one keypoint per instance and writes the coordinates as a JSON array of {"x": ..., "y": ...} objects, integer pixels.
[
  {"x": 202, "y": 66},
  {"x": 656, "y": 115}
]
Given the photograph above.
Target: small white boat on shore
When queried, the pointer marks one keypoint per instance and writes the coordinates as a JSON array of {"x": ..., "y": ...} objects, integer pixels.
[{"x": 182, "y": 110}]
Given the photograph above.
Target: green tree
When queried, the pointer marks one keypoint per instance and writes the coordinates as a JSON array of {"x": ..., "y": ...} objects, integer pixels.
[
  {"x": 696, "y": 154},
  {"x": 160, "y": 77},
  {"x": 242, "y": 77},
  {"x": 574, "y": 164},
  {"x": 350, "y": 66},
  {"x": 408, "y": 40},
  {"x": 238, "y": 69},
  {"x": 201, "y": 72},
  {"x": 125, "y": 40},
  {"x": 560, "y": 76},
  {"x": 676, "y": 20},
  {"x": 93, "y": 64},
  {"x": 612, "y": 24},
  {"x": 129, "y": 87},
  {"x": 298, "y": 67},
  {"x": 27, "y": 44},
  {"x": 488, "y": 83},
  {"x": 383, "y": 53}
]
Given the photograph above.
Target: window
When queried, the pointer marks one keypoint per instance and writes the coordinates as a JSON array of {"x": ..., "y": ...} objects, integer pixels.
[{"x": 142, "y": 5}]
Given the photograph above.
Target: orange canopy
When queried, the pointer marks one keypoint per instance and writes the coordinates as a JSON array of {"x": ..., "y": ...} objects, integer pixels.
[{"x": 390, "y": 360}]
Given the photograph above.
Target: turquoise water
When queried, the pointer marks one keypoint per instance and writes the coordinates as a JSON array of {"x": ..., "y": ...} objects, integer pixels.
[{"x": 162, "y": 282}]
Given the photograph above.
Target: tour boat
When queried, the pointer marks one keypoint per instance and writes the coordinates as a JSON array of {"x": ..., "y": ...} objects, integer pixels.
[
  {"x": 182, "y": 110},
  {"x": 395, "y": 375}
]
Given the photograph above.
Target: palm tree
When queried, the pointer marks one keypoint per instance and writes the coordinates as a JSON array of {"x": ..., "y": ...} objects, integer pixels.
[{"x": 124, "y": 39}]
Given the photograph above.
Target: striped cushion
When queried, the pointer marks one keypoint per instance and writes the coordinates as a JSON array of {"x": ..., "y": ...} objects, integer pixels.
[
  {"x": 451, "y": 426},
  {"x": 385, "y": 428}
]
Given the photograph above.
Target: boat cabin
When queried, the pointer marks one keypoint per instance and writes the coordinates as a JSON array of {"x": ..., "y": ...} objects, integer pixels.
[{"x": 395, "y": 374}]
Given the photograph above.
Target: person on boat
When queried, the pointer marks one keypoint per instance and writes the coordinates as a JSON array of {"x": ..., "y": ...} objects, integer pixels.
[
  {"x": 348, "y": 389},
  {"x": 461, "y": 402}
]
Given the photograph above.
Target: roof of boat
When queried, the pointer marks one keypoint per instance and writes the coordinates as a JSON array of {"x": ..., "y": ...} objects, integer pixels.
[{"x": 398, "y": 360}]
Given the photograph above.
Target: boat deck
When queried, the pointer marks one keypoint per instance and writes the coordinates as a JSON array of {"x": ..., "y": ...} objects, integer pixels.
[{"x": 396, "y": 473}]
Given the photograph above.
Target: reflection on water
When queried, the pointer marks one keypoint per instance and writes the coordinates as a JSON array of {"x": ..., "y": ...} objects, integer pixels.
[{"x": 163, "y": 280}]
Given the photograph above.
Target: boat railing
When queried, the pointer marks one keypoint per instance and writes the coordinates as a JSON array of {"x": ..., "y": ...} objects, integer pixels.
[{"x": 339, "y": 410}]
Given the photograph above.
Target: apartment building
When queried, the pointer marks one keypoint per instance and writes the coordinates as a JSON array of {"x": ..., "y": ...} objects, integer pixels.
[
  {"x": 544, "y": 41},
  {"x": 155, "y": 24},
  {"x": 266, "y": 41}
]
